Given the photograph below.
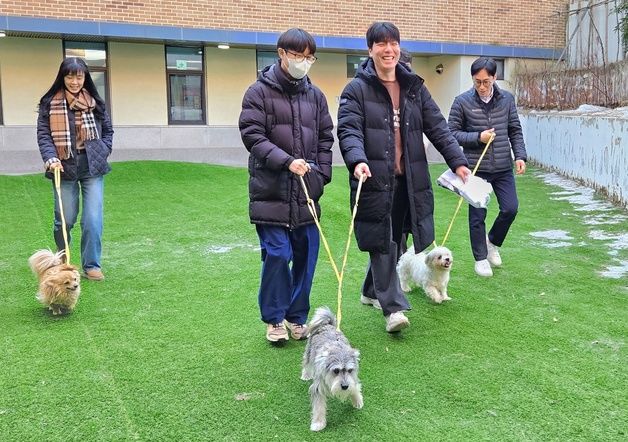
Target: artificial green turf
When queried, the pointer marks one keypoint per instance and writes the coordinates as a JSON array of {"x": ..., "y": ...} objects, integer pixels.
[{"x": 170, "y": 346}]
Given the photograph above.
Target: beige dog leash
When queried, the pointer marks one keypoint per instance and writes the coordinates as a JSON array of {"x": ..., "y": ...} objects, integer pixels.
[
  {"x": 339, "y": 275},
  {"x": 57, "y": 176},
  {"x": 461, "y": 199}
]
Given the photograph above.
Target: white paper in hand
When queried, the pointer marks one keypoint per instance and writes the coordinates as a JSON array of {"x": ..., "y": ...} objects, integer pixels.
[{"x": 476, "y": 191}]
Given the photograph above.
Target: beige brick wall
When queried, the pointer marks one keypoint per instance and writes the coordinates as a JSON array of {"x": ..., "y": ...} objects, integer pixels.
[{"x": 512, "y": 23}]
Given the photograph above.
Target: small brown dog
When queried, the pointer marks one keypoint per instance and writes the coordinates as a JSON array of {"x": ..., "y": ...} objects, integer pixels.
[{"x": 59, "y": 283}]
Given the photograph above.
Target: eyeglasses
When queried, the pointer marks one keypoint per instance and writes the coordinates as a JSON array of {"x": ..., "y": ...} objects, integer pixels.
[
  {"x": 485, "y": 83},
  {"x": 300, "y": 57}
]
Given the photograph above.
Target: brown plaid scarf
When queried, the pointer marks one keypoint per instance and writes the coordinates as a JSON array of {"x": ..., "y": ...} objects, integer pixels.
[{"x": 83, "y": 106}]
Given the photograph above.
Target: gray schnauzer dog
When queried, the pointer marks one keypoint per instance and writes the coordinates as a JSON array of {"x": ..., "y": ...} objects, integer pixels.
[{"x": 331, "y": 364}]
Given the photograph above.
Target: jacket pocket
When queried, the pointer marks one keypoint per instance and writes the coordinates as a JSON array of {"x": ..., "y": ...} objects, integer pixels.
[
  {"x": 314, "y": 181},
  {"x": 97, "y": 154},
  {"x": 268, "y": 185}
]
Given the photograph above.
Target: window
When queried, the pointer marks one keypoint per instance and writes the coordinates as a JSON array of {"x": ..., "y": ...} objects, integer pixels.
[
  {"x": 353, "y": 62},
  {"x": 184, "y": 69},
  {"x": 499, "y": 75},
  {"x": 95, "y": 56},
  {"x": 265, "y": 58}
]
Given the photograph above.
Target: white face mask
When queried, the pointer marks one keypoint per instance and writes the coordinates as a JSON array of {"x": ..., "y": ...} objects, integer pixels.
[{"x": 298, "y": 70}]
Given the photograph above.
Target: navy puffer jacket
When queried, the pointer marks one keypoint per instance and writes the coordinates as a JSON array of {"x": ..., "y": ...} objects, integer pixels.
[
  {"x": 470, "y": 116},
  {"x": 366, "y": 134},
  {"x": 282, "y": 120},
  {"x": 97, "y": 151}
]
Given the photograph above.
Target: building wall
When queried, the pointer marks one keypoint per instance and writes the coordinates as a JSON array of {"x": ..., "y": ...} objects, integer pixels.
[
  {"x": 479, "y": 21},
  {"x": 137, "y": 81},
  {"x": 228, "y": 75},
  {"x": 28, "y": 66},
  {"x": 593, "y": 36},
  {"x": 138, "y": 93},
  {"x": 330, "y": 75}
]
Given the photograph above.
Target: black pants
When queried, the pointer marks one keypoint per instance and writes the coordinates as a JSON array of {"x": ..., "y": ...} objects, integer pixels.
[
  {"x": 506, "y": 193},
  {"x": 381, "y": 281}
]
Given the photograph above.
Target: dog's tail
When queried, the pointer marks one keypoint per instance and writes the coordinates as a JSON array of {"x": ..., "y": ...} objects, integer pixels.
[
  {"x": 322, "y": 316},
  {"x": 43, "y": 259}
]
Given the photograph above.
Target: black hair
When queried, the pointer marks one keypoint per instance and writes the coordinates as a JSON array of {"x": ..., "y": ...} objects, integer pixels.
[
  {"x": 484, "y": 63},
  {"x": 405, "y": 57},
  {"x": 69, "y": 66},
  {"x": 382, "y": 31},
  {"x": 297, "y": 40}
]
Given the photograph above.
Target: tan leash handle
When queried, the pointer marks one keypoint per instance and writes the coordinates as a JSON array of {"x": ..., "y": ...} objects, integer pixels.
[
  {"x": 57, "y": 176},
  {"x": 451, "y": 224}
]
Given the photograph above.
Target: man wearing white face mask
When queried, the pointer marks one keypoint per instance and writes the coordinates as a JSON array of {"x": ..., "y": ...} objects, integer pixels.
[{"x": 286, "y": 127}]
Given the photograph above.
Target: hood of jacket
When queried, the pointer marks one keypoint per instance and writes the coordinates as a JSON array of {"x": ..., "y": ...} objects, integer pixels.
[{"x": 275, "y": 77}]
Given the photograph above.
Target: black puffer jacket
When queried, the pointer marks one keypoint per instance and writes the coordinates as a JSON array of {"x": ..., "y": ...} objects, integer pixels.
[
  {"x": 282, "y": 120},
  {"x": 470, "y": 116},
  {"x": 366, "y": 134},
  {"x": 97, "y": 151}
]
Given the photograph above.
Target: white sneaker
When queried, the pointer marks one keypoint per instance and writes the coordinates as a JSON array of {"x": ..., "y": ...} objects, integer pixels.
[
  {"x": 493, "y": 254},
  {"x": 483, "y": 268},
  {"x": 370, "y": 301},
  {"x": 396, "y": 322}
]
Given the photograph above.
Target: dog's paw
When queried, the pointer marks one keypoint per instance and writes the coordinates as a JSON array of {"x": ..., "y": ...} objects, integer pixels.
[
  {"x": 318, "y": 426},
  {"x": 358, "y": 402},
  {"x": 405, "y": 287},
  {"x": 446, "y": 298},
  {"x": 306, "y": 377}
]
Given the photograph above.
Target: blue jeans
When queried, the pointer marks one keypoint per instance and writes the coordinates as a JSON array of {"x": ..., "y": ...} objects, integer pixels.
[
  {"x": 506, "y": 193},
  {"x": 284, "y": 289},
  {"x": 91, "y": 188}
]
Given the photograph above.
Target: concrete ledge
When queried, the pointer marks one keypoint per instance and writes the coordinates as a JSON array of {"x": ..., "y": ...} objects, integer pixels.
[{"x": 19, "y": 153}]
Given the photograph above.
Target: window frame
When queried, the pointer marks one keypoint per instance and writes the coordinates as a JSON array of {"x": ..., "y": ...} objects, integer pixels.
[
  {"x": 501, "y": 71},
  {"x": 264, "y": 51},
  {"x": 360, "y": 56},
  {"x": 201, "y": 74},
  {"x": 92, "y": 69}
]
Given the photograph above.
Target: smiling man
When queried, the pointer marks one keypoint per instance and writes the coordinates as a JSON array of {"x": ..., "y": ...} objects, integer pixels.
[
  {"x": 382, "y": 116},
  {"x": 476, "y": 115}
]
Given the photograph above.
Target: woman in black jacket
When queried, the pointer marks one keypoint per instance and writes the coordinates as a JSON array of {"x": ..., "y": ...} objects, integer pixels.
[
  {"x": 383, "y": 114},
  {"x": 286, "y": 127},
  {"x": 475, "y": 116},
  {"x": 74, "y": 134}
]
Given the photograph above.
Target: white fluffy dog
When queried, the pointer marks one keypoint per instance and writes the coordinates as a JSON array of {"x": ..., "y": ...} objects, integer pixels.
[{"x": 427, "y": 270}]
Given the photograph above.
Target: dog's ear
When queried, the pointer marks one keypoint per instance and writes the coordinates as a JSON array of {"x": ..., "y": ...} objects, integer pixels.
[{"x": 428, "y": 258}]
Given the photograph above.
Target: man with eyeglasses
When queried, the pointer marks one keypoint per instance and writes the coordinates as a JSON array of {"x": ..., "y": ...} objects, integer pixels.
[
  {"x": 286, "y": 127},
  {"x": 382, "y": 115},
  {"x": 476, "y": 115}
]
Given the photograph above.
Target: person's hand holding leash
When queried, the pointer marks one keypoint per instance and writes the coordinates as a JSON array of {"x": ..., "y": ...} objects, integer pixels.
[
  {"x": 362, "y": 171},
  {"x": 520, "y": 167},
  {"x": 299, "y": 167},
  {"x": 486, "y": 135},
  {"x": 55, "y": 165}
]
